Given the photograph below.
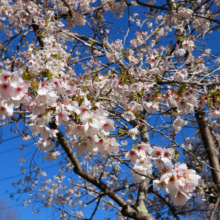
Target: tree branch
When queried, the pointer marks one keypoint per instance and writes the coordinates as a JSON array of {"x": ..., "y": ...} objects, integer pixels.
[
  {"x": 215, "y": 209},
  {"x": 127, "y": 210},
  {"x": 96, "y": 208},
  {"x": 209, "y": 146},
  {"x": 143, "y": 187}
]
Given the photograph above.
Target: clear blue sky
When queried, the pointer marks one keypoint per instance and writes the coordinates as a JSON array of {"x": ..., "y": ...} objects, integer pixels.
[{"x": 10, "y": 171}]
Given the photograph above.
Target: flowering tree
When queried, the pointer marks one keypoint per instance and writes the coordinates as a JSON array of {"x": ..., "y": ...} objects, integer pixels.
[{"x": 125, "y": 94}]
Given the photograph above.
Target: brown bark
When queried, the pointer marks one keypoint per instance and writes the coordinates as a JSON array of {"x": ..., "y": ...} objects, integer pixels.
[
  {"x": 143, "y": 187},
  {"x": 127, "y": 210},
  {"x": 209, "y": 146}
]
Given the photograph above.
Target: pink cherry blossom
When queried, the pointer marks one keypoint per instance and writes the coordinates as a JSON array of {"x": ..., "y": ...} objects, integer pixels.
[
  {"x": 52, "y": 155},
  {"x": 132, "y": 156},
  {"x": 5, "y": 110},
  {"x": 6, "y": 90},
  {"x": 45, "y": 145},
  {"x": 128, "y": 116}
]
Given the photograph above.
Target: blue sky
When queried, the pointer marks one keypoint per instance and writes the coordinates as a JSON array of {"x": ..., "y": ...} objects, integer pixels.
[{"x": 10, "y": 170}]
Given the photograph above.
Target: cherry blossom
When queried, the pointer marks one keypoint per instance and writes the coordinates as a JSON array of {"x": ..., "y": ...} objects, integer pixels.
[
  {"x": 128, "y": 116},
  {"x": 132, "y": 155},
  {"x": 5, "y": 110},
  {"x": 127, "y": 106},
  {"x": 188, "y": 45},
  {"x": 133, "y": 132}
]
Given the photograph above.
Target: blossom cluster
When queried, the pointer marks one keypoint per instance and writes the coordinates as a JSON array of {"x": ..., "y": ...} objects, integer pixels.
[
  {"x": 97, "y": 109},
  {"x": 176, "y": 180}
]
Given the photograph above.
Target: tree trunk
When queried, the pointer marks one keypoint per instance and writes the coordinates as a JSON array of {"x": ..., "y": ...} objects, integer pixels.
[
  {"x": 209, "y": 146},
  {"x": 143, "y": 186}
]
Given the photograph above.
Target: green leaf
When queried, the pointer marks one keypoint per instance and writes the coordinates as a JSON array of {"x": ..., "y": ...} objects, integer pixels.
[
  {"x": 210, "y": 103},
  {"x": 27, "y": 76},
  {"x": 121, "y": 131},
  {"x": 124, "y": 53},
  {"x": 123, "y": 75},
  {"x": 157, "y": 79},
  {"x": 56, "y": 56},
  {"x": 137, "y": 115},
  {"x": 176, "y": 159},
  {"x": 173, "y": 109},
  {"x": 91, "y": 42},
  {"x": 134, "y": 147},
  {"x": 46, "y": 73}
]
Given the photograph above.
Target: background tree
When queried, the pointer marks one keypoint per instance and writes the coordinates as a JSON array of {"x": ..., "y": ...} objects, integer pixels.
[
  {"x": 125, "y": 95},
  {"x": 7, "y": 212}
]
